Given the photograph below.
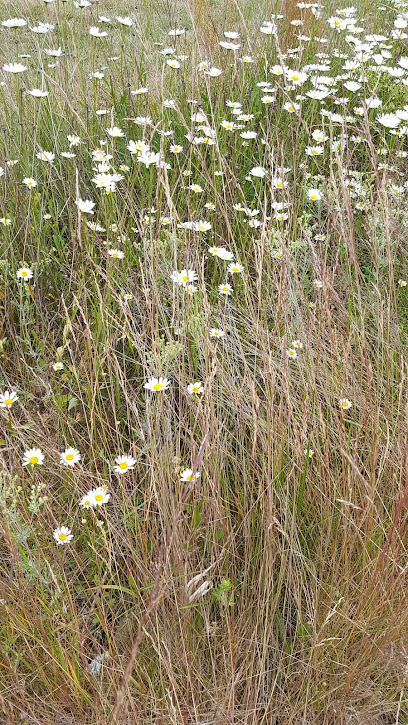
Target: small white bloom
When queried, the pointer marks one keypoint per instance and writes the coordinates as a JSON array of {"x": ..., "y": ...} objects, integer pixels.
[
  {"x": 202, "y": 226},
  {"x": 115, "y": 132},
  {"x": 96, "y": 32},
  {"x": 124, "y": 21},
  {"x": 235, "y": 268},
  {"x": 314, "y": 194},
  {"x": 33, "y": 457},
  {"x": 8, "y": 398},
  {"x": 62, "y": 535},
  {"x": 14, "y": 68},
  {"x": 24, "y": 273},
  {"x": 99, "y": 496},
  {"x": 85, "y": 206},
  {"x": 389, "y": 120},
  {"x": 157, "y": 384},
  {"x": 187, "y": 475},
  {"x": 225, "y": 289},
  {"x": 174, "y": 32},
  {"x": 124, "y": 463},
  {"x": 70, "y": 457},
  {"x": 29, "y": 182},
  {"x": 38, "y": 93},
  {"x": 195, "y": 388},
  {"x": 258, "y": 171},
  {"x": 222, "y": 253},
  {"x": 213, "y": 72},
  {"x": 14, "y": 23},
  {"x": 46, "y": 156}
]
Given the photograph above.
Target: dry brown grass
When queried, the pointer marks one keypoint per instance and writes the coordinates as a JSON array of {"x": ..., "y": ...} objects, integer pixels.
[{"x": 307, "y": 618}]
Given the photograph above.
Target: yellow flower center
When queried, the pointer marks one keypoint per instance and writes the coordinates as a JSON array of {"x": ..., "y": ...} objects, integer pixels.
[
  {"x": 69, "y": 457},
  {"x": 123, "y": 465},
  {"x": 184, "y": 278},
  {"x": 33, "y": 460},
  {"x": 99, "y": 497},
  {"x": 344, "y": 404},
  {"x": 8, "y": 401},
  {"x": 157, "y": 386},
  {"x": 62, "y": 537},
  {"x": 24, "y": 274},
  {"x": 87, "y": 503},
  {"x": 115, "y": 255}
]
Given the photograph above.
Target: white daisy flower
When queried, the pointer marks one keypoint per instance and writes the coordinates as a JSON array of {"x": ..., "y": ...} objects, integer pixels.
[
  {"x": 157, "y": 384},
  {"x": 70, "y": 457},
  {"x": 195, "y": 388},
  {"x": 124, "y": 463},
  {"x": 24, "y": 273},
  {"x": 187, "y": 475},
  {"x": 33, "y": 457},
  {"x": 8, "y": 398},
  {"x": 62, "y": 535}
]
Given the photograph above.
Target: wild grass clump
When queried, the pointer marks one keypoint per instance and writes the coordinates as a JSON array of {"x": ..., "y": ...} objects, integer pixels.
[{"x": 203, "y": 371}]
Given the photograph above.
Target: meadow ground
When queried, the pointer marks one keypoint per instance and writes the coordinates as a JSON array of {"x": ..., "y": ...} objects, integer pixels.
[{"x": 203, "y": 363}]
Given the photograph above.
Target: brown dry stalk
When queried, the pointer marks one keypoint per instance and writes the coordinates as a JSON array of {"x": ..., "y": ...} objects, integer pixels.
[{"x": 155, "y": 596}]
